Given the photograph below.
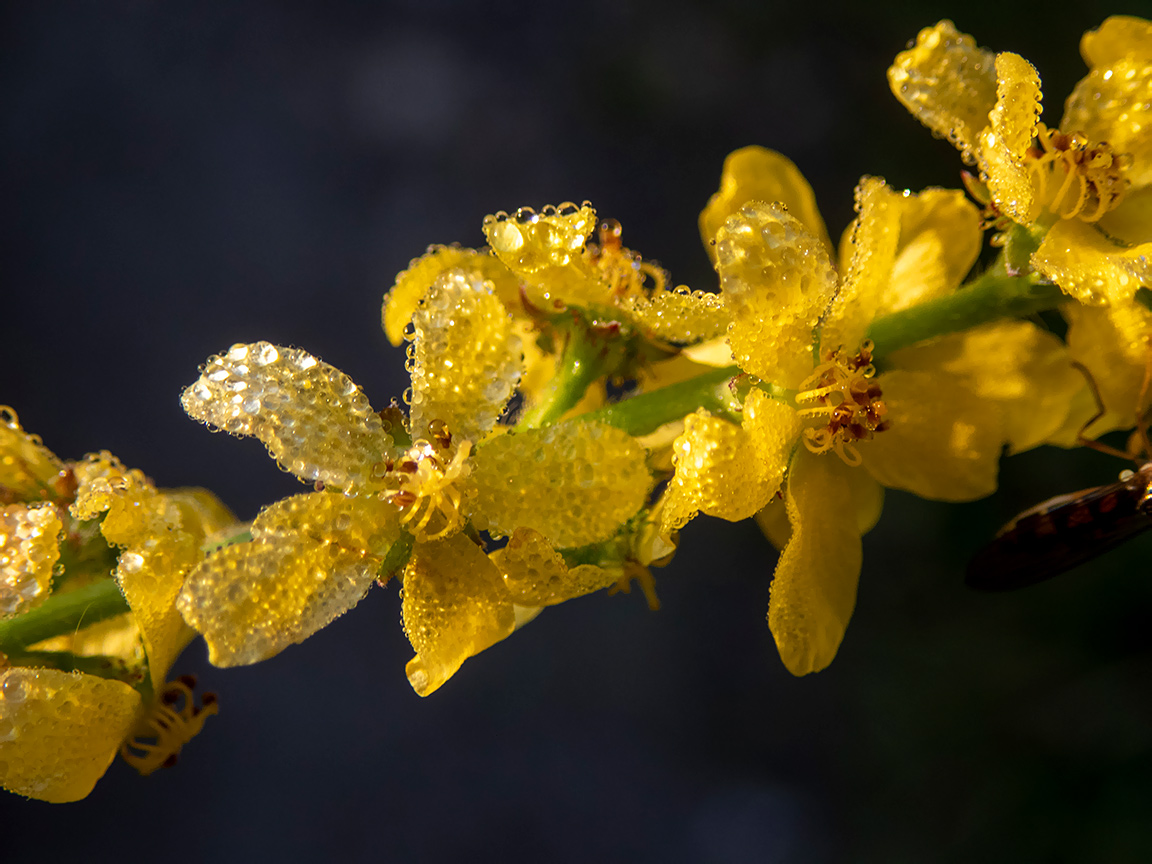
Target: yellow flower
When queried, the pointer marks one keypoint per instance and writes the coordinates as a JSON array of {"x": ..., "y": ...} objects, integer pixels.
[
  {"x": 1085, "y": 187},
  {"x": 59, "y": 728},
  {"x": 932, "y": 423},
  {"x": 315, "y": 555}
]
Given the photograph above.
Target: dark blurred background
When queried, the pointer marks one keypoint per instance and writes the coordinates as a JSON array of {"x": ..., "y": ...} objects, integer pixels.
[{"x": 179, "y": 177}]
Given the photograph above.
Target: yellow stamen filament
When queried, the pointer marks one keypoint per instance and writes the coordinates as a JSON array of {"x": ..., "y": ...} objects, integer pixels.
[
  {"x": 426, "y": 489},
  {"x": 171, "y": 728},
  {"x": 840, "y": 395},
  {"x": 644, "y": 579},
  {"x": 1091, "y": 172}
]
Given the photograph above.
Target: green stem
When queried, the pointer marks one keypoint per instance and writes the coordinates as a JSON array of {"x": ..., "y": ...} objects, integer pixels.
[
  {"x": 990, "y": 297},
  {"x": 587, "y": 357},
  {"x": 649, "y": 411},
  {"x": 63, "y": 613},
  {"x": 97, "y": 664}
]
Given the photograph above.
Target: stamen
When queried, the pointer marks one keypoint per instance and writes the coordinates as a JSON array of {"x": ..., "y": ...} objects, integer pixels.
[
  {"x": 845, "y": 400},
  {"x": 425, "y": 488},
  {"x": 1095, "y": 170},
  {"x": 172, "y": 728}
]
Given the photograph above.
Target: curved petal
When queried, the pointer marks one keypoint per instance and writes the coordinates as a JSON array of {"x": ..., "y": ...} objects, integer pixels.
[
  {"x": 680, "y": 316},
  {"x": 944, "y": 442},
  {"x": 867, "y": 498},
  {"x": 1025, "y": 370},
  {"x": 412, "y": 284},
  {"x": 59, "y": 731},
  {"x": 29, "y": 549},
  {"x": 536, "y": 575},
  {"x": 546, "y": 251},
  {"x": 455, "y": 605},
  {"x": 1114, "y": 344},
  {"x": 466, "y": 360},
  {"x": 1091, "y": 267},
  {"x": 814, "y": 589},
  {"x": 940, "y": 239},
  {"x": 1118, "y": 37},
  {"x": 874, "y": 235},
  {"x": 574, "y": 482},
  {"x": 26, "y": 465},
  {"x": 759, "y": 174},
  {"x": 1004, "y": 144},
  {"x": 777, "y": 280},
  {"x": 311, "y": 416},
  {"x": 948, "y": 83}
]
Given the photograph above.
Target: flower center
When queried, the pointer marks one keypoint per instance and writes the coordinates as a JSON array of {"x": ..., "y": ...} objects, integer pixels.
[
  {"x": 1071, "y": 173},
  {"x": 844, "y": 400},
  {"x": 169, "y": 729},
  {"x": 424, "y": 488}
]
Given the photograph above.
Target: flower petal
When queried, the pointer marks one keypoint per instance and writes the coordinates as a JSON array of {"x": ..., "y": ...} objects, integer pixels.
[
  {"x": 412, "y": 284},
  {"x": 26, "y": 465},
  {"x": 29, "y": 549},
  {"x": 867, "y": 497},
  {"x": 759, "y": 174},
  {"x": 944, "y": 442},
  {"x": 948, "y": 83},
  {"x": 59, "y": 731},
  {"x": 1025, "y": 370},
  {"x": 1114, "y": 343},
  {"x": 455, "y": 605},
  {"x": 546, "y": 251},
  {"x": 777, "y": 280},
  {"x": 314, "y": 420},
  {"x": 1011, "y": 129},
  {"x": 466, "y": 359},
  {"x": 814, "y": 589},
  {"x": 536, "y": 575},
  {"x": 1091, "y": 267},
  {"x": 574, "y": 482},
  {"x": 1118, "y": 37},
  {"x": 680, "y": 316}
]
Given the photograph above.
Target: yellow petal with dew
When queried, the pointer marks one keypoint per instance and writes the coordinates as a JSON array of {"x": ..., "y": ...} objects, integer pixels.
[
  {"x": 777, "y": 280},
  {"x": 948, "y": 83},
  {"x": 1114, "y": 344},
  {"x": 867, "y": 499},
  {"x": 59, "y": 731},
  {"x": 1131, "y": 221},
  {"x": 814, "y": 589},
  {"x": 759, "y": 174},
  {"x": 574, "y": 482},
  {"x": 311, "y": 416},
  {"x": 874, "y": 236},
  {"x": 455, "y": 605},
  {"x": 27, "y": 467},
  {"x": 1113, "y": 103},
  {"x": 546, "y": 250},
  {"x": 1011, "y": 129},
  {"x": 313, "y": 557},
  {"x": 944, "y": 442},
  {"x": 536, "y": 575},
  {"x": 1091, "y": 267},
  {"x": 1118, "y": 37},
  {"x": 466, "y": 359},
  {"x": 680, "y": 316},
  {"x": 1025, "y": 370},
  {"x": 29, "y": 549},
  {"x": 412, "y": 284}
]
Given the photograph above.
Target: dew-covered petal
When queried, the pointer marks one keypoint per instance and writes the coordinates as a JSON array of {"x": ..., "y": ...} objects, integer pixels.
[
  {"x": 574, "y": 482},
  {"x": 466, "y": 359},
  {"x": 948, "y": 83},
  {"x": 944, "y": 442},
  {"x": 777, "y": 280},
  {"x": 759, "y": 174},
  {"x": 680, "y": 316},
  {"x": 1113, "y": 343},
  {"x": 455, "y": 605},
  {"x": 367, "y": 525},
  {"x": 536, "y": 575},
  {"x": 1025, "y": 370},
  {"x": 814, "y": 589},
  {"x": 1091, "y": 267},
  {"x": 412, "y": 284},
  {"x": 545, "y": 251},
  {"x": 1011, "y": 129},
  {"x": 26, "y": 465},
  {"x": 59, "y": 731},
  {"x": 873, "y": 241},
  {"x": 1113, "y": 102},
  {"x": 314, "y": 420},
  {"x": 29, "y": 549}
]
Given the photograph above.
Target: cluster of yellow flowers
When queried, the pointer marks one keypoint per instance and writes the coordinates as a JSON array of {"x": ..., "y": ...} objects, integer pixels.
[{"x": 816, "y": 377}]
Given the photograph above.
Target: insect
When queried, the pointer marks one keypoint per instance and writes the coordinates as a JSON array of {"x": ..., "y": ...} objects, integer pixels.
[{"x": 1063, "y": 532}]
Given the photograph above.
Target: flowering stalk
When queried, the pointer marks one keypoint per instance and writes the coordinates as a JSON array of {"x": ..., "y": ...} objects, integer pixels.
[{"x": 61, "y": 614}]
